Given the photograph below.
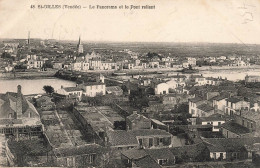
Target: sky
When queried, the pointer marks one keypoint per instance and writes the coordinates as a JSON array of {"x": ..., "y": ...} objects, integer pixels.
[{"x": 214, "y": 21}]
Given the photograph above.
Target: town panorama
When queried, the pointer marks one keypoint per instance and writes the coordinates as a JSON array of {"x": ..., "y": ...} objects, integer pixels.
[{"x": 88, "y": 104}]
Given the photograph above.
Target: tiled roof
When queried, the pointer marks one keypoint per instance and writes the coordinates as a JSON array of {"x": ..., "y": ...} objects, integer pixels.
[
  {"x": 72, "y": 89},
  {"x": 135, "y": 116},
  {"x": 213, "y": 117},
  {"x": 231, "y": 144},
  {"x": 233, "y": 99},
  {"x": 134, "y": 153},
  {"x": 205, "y": 107},
  {"x": 147, "y": 162},
  {"x": 93, "y": 83},
  {"x": 162, "y": 153},
  {"x": 196, "y": 99},
  {"x": 192, "y": 151},
  {"x": 220, "y": 97},
  {"x": 150, "y": 132},
  {"x": 251, "y": 115},
  {"x": 78, "y": 150},
  {"x": 235, "y": 128},
  {"x": 122, "y": 138},
  {"x": 113, "y": 89}
]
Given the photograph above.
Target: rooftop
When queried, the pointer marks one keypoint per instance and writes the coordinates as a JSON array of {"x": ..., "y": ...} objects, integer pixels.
[
  {"x": 205, "y": 107},
  {"x": 122, "y": 138},
  {"x": 78, "y": 150},
  {"x": 235, "y": 128},
  {"x": 72, "y": 89},
  {"x": 150, "y": 132}
]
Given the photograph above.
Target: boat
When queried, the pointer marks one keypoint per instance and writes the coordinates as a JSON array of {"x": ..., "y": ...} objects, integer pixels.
[
  {"x": 188, "y": 71},
  {"x": 118, "y": 73}
]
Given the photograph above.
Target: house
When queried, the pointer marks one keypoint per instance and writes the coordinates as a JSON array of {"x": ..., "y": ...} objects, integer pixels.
[
  {"x": 18, "y": 117},
  {"x": 137, "y": 121},
  {"x": 57, "y": 65},
  {"x": 193, "y": 104},
  {"x": 205, "y": 110},
  {"x": 154, "y": 64},
  {"x": 232, "y": 129},
  {"x": 160, "y": 88},
  {"x": 34, "y": 61},
  {"x": 191, "y": 61},
  {"x": 114, "y": 90},
  {"x": 250, "y": 120},
  {"x": 219, "y": 102},
  {"x": 230, "y": 148},
  {"x": 79, "y": 156},
  {"x": 198, "y": 79},
  {"x": 234, "y": 104},
  {"x": 153, "y": 138},
  {"x": 93, "y": 89},
  {"x": 121, "y": 140},
  {"x": 148, "y": 158},
  {"x": 252, "y": 79},
  {"x": 216, "y": 120},
  {"x": 191, "y": 153},
  {"x": 70, "y": 92}
]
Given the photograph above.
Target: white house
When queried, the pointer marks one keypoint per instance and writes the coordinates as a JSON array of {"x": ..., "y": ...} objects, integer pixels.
[
  {"x": 193, "y": 106},
  {"x": 70, "y": 92},
  {"x": 93, "y": 89},
  {"x": 219, "y": 103},
  {"x": 161, "y": 88},
  {"x": 234, "y": 104}
]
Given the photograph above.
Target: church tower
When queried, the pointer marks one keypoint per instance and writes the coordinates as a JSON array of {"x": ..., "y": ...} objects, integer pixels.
[
  {"x": 28, "y": 40},
  {"x": 79, "y": 47}
]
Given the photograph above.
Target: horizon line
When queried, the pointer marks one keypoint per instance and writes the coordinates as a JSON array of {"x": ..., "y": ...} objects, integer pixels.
[{"x": 108, "y": 41}]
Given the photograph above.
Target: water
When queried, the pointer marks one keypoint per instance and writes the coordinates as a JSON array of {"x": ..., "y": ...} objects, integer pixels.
[
  {"x": 230, "y": 74},
  {"x": 33, "y": 86}
]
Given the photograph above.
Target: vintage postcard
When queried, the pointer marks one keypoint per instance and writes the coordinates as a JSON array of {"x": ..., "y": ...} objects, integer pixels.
[{"x": 130, "y": 83}]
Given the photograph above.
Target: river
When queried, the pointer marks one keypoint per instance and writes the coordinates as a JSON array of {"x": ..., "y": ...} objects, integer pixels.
[
  {"x": 32, "y": 86},
  {"x": 233, "y": 74}
]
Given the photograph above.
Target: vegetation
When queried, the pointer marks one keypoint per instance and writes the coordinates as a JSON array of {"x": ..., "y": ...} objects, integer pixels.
[{"x": 48, "y": 89}]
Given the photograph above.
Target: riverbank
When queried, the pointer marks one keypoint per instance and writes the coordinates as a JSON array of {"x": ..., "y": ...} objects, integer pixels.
[
  {"x": 33, "y": 74},
  {"x": 28, "y": 75}
]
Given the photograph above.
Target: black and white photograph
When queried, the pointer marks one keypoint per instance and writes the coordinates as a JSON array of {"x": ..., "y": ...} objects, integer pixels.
[{"x": 130, "y": 83}]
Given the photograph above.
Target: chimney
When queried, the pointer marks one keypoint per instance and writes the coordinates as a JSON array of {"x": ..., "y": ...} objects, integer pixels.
[{"x": 19, "y": 103}]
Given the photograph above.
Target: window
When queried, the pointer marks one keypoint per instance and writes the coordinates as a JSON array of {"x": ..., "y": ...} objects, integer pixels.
[
  {"x": 251, "y": 125},
  {"x": 70, "y": 162},
  {"x": 150, "y": 142},
  {"x": 161, "y": 140},
  {"x": 219, "y": 123},
  {"x": 162, "y": 161},
  {"x": 214, "y": 156},
  {"x": 243, "y": 122},
  {"x": 91, "y": 158},
  {"x": 10, "y": 115},
  {"x": 221, "y": 155},
  {"x": 140, "y": 142}
]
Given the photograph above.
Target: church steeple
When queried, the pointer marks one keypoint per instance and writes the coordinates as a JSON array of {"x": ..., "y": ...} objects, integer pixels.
[
  {"x": 28, "y": 40},
  {"x": 79, "y": 47},
  {"x": 79, "y": 41}
]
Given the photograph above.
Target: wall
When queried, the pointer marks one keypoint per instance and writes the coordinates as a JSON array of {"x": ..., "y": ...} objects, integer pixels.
[
  {"x": 217, "y": 155},
  {"x": 247, "y": 122}
]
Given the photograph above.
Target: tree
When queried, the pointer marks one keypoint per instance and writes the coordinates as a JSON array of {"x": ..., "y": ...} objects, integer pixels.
[
  {"x": 48, "y": 64},
  {"x": 48, "y": 89}
]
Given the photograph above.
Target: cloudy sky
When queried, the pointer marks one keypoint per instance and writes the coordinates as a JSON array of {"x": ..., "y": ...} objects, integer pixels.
[{"x": 225, "y": 21}]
